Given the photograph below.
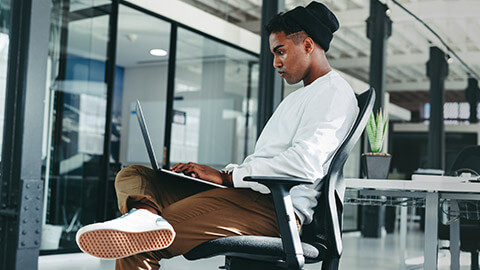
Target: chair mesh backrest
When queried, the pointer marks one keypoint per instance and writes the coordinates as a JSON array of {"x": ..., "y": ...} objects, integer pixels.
[{"x": 325, "y": 228}]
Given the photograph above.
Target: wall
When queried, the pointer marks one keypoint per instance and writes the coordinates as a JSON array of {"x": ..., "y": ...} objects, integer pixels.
[{"x": 149, "y": 85}]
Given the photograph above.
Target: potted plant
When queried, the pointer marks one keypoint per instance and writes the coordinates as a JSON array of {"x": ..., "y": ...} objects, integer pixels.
[{"x": 376, "y": 164}]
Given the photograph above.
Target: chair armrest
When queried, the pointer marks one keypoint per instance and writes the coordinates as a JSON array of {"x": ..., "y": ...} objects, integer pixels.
[
  {"x": 280, "y": 180},
  {"x": 280, "y": 188}
]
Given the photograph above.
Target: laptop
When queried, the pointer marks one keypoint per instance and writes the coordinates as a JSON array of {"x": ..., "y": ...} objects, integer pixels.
[{"x": 151, "y": 152}]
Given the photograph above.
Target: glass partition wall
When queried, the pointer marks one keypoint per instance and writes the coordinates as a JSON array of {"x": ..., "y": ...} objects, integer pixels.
[
  {"x": 76, "y": 120},
  {"x": 214, "y": 100},
  {"x": 4, "y": 42},
  {"x": 5, "y": 11}
]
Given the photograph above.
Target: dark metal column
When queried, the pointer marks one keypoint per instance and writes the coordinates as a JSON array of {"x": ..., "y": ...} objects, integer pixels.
[
  {"x": 473, "y": 94},
  {"x": 271, "y": 85},
  {"x": 22, "y": 188},
  {"x": 437, "y": 71},
  {"x": 247, "y": 113},
  {"x": 103, "y": 188},
  {"x": 379, "y": 29},
  {"x": 172, "y": 58}
]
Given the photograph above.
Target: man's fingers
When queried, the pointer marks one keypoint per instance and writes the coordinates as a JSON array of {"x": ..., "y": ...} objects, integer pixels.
[
  {"x": 190, "y": 169},
  {"x": 175, "y": 166},
  {"x": 191, "y": 172},
  {"x": 178, "y": 167},
  {"x": 181, "y": 168},
  {"x": 195, "y": 171},
  {"x": 186, "y": 168}
]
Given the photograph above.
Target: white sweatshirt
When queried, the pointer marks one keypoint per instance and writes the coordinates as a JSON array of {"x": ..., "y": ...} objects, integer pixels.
[{"x": 300, "y": 139}]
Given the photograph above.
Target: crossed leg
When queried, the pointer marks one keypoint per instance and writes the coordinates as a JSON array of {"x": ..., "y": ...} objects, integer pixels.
[{"x": 197, "y": 212}]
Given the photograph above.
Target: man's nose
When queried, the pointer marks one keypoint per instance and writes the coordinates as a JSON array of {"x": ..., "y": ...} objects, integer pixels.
[{"x": 276, "y": 62}]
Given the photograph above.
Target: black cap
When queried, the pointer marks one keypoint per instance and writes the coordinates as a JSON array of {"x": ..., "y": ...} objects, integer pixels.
[{"x": 317, "y": 21}]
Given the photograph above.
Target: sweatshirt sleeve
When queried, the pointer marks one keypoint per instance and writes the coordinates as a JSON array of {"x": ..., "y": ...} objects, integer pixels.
[{"x": 323, "y": 126}]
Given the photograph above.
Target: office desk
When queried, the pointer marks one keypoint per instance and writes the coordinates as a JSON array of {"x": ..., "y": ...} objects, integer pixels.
[{"x": 430, "y": 192}]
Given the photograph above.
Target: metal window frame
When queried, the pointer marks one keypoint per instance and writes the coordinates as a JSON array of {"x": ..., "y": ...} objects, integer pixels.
[{"x": 110, "y": 65}]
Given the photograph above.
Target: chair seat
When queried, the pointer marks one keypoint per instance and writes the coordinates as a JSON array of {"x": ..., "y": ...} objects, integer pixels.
[{"x": 262, "y": 248}]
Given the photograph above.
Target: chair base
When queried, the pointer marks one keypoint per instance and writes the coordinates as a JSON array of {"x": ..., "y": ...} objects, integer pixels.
[{"x": 236, "y": 263}]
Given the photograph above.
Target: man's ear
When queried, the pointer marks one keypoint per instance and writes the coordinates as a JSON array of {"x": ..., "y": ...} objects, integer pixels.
[{"x": 308, "y": 44}]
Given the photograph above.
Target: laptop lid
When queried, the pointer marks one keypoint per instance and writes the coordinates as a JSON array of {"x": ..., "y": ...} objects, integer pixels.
[
  {"x": 146, "y": 136},
  {"x": 151, "y": 152}
]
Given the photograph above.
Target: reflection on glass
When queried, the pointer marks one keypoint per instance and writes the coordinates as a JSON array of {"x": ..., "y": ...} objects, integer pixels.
[
  {"x": 216, "y": 90},
  {"x": 145, "y": 79},
  {"x": 76, "y": 124},
  {"x": 4, "y": 41}
]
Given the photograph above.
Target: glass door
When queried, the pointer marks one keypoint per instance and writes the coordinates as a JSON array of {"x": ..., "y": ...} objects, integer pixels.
[{"x": 76, "y": 110}]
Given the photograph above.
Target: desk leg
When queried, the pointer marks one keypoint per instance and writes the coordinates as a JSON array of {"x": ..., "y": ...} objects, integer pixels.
[
  {"x": 431, "y": 231},
  {"x": 455, "y": 239},
  {"x": 403, "y": 235}
]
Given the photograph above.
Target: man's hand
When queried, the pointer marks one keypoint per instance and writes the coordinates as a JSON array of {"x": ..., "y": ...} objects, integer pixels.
[{"x": 199, "y": 171}]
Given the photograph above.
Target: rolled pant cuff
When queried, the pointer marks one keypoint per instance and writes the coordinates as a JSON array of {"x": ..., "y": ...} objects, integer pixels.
[{"x": 133, "y": 200}]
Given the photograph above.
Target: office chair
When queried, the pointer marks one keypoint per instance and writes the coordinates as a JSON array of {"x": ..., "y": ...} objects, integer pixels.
[
  {"x": 468, "y": 160},
  {"x": 321, "y": 240}
]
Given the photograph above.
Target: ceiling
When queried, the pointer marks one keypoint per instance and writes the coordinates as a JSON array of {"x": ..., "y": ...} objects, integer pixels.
[{"x": 456, "y": 21}]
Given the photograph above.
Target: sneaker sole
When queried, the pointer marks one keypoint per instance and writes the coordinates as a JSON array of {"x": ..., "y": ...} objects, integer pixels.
[{"x": 114, "y": 244}]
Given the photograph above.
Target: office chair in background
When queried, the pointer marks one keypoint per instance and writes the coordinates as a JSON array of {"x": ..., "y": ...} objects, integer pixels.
[
  {"x": 468, "y": 160},
  {"x": 321, "y": 240}
]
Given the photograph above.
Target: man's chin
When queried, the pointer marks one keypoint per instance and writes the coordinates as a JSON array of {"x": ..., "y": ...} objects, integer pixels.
[{"x": 290, "y": 81}]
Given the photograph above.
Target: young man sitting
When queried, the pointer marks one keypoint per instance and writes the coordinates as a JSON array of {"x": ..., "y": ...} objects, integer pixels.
[{"x": 164, "y": 217}]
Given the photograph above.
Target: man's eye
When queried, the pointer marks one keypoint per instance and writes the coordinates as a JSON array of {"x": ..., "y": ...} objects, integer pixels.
[{"x": 280, "y": 52}]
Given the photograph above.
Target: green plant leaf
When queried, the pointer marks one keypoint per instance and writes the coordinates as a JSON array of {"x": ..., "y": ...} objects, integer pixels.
[
  {"x": 371, "y": 130},
  {"x": 378, "y": 133},
  {"x": 376, "y": 129},
  {"x": 385, "y": 124}
]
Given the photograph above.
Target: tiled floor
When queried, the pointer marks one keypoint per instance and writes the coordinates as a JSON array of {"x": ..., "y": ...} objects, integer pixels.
[{"x": 359, "y": 253}]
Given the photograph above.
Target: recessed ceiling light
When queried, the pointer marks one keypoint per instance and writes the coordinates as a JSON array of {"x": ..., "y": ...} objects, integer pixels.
[{"x": 158, "y": 52}]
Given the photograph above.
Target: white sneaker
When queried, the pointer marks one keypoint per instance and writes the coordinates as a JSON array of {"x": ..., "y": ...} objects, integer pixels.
[{"x": 135, "y": 232}]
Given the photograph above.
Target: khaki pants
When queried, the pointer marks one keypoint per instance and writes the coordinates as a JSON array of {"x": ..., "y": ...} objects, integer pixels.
[{"x": 198, "y": 213}]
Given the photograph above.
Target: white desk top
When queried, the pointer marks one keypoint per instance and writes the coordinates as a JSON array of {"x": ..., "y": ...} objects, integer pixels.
[{"x": 419, "y": 185}]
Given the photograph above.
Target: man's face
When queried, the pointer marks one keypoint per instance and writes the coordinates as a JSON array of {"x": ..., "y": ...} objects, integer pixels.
[{"x": 290, "y": 59}]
